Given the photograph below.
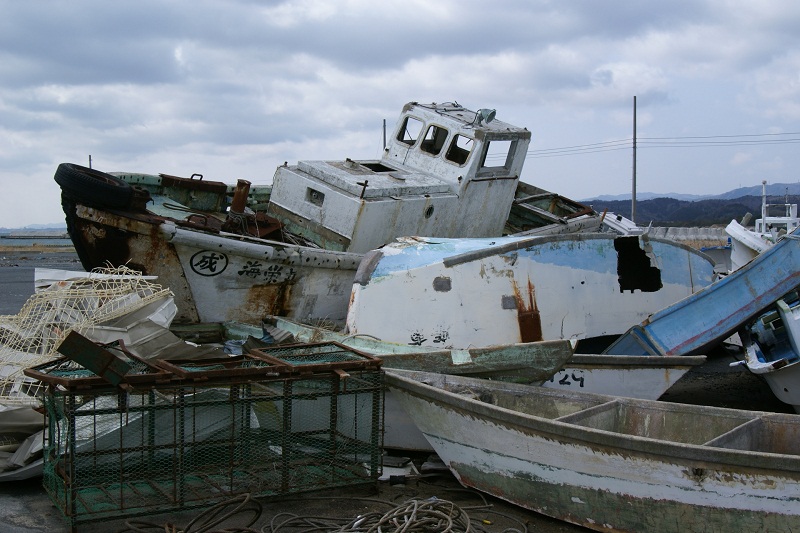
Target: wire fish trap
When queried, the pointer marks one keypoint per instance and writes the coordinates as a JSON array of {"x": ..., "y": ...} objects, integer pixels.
[
  {"x": 92, "y": 366},
  {"x": 317, "y": 357},
  {"x": 177, "y": 435},
  {"x": 244, "y": 366}
]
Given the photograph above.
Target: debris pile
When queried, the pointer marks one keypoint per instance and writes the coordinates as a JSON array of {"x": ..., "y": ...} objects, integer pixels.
[{"x": 82, "y": 303}]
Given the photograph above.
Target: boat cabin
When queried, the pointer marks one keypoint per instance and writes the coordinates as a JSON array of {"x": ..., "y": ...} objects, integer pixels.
[{"x": 446, "y": 171}]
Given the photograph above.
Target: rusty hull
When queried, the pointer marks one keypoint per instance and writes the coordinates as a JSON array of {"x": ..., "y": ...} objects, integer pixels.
[{"x": 103, "y": 238}]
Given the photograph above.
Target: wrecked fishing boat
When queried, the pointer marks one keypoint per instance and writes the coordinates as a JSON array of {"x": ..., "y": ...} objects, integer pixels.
[
  {"x": 531, "y": 362},
  {"x": 774, "y": 224},
  {"x": 479, "y": 292},
  {"x": 610, "y": 463},
  {"x": 242, "y": 252}
]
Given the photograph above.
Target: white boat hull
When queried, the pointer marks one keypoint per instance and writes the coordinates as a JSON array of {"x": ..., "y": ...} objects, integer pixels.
[
  {"x": 234, "y": 279},
  {"x": 482, "y": 292},
  {"x": 644, "y": 377}
]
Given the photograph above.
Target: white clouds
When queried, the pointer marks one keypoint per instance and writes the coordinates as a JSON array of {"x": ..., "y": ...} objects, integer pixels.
[
  {"x": 741, "y": 158},
  {"x": 294, "y": 14},
  {"x": 233, "y": 89},
  {"x": 778, "y": 85}
]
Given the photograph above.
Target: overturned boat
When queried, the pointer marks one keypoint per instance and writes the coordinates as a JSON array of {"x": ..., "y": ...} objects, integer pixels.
[
  {"x": 710, "y": 315},
  {"x": 611, "y": 463},
  {"x": 480, "y": 292},
  {"x": 242, "y": 252}
]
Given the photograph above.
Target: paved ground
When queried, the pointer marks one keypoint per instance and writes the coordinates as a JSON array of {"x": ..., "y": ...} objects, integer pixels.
[
  {"x": 16, "y": 274},
  {"x": 24, "y": 506}
]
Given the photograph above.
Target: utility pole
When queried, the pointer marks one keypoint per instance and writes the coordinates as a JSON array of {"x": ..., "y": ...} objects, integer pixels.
[{"x": 633, "y": 190}]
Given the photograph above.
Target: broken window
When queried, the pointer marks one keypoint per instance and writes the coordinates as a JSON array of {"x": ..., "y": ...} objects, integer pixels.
[
  {"x": 459, "y": 149},
  {"x": 498, "y": 156},
  {"x": 410, "y": 131},
  {"x": 434, "y": 140}
]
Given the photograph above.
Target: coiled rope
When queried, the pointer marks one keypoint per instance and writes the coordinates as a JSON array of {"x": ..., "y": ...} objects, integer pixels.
[
  {"x": 210, "y": 520},
  {"x": 431, "y": 515}
]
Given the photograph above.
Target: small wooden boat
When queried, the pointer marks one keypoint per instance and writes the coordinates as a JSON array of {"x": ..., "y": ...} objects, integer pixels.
[
  {"x": 610, "y": 463},
  {"x": 531, "y": 362}
]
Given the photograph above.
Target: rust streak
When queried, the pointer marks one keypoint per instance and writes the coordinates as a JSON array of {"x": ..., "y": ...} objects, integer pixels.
[{"x": 528, "y": 316}]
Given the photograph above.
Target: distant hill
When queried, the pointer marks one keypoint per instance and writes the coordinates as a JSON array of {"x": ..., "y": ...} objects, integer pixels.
[
  {"x": 37, "y": 227},
  {"x": 703, "y": 213},
  {"x": 773, "y": 190},
  {"x": 642, "y": 196}
]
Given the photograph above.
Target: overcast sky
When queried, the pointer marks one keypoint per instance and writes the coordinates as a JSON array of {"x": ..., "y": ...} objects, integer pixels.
[{"x": 233, "y": 89}]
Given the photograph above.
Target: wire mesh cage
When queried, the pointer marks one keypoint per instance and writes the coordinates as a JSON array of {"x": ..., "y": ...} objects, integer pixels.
[
  {"x": 313, "y": 356},
  {"x": 112, "y": 452},
  {"x": 32, "y": 336}
]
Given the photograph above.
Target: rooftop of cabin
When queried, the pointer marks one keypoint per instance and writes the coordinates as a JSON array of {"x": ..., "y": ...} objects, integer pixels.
[{"x": 455, "y": 116}]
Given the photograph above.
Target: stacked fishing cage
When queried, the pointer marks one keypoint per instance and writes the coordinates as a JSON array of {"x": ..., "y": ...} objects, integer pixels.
[{"x": 173, "y": 435}]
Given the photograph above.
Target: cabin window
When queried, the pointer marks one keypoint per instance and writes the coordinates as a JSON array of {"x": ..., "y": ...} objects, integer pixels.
[
  {"x": 409, "y": 133},
  {"x": 498, "y": 155},
  {"x": 434, "y": 140},
  {"x": 459, "y": 149}
]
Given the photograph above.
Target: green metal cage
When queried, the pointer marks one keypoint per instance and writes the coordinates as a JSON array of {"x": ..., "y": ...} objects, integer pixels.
[{"x": 178, "y": 444}]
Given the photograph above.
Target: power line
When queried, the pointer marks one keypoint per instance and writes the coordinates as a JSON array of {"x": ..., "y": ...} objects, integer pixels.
[
  {"x": 725, "y": 136},
  {"x": 670, "y": 142},
  {"x": 690, "y": 144}
]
